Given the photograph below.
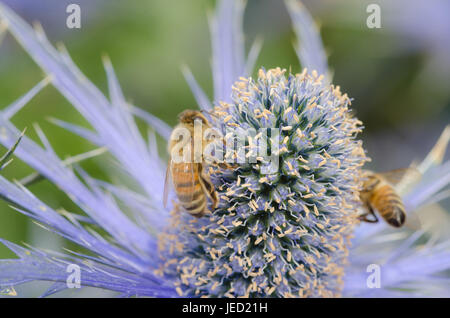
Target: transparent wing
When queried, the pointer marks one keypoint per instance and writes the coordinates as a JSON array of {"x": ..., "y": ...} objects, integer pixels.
[
  {"x": 167, "y": 183},
  {"x": 402, "y": 179},
  {"x": 396, "y": 176}
]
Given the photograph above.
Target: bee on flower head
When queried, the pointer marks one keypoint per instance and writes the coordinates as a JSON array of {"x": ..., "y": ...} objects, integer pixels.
[{"x": 190, "y": 180}]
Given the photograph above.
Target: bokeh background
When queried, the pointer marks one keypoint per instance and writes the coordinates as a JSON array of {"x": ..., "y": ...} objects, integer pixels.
[{"x": 399, "y": 75}]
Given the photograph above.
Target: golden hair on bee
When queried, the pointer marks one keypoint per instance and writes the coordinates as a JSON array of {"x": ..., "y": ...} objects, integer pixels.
[
  {"x": 189, "y": 116},
  {"x": 191, "y": 182},
  {"x": 378, "y": 194}
]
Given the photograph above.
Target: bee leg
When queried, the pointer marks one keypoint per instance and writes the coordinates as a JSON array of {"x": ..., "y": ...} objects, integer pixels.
[
  {"x": 228, "y": 166},
  {"x": 225, "y": 165},
  {"x": 207, "y": 185},
  {"x": 364, "y": 218}
]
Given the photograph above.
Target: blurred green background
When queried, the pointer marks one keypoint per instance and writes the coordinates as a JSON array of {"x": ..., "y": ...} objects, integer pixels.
[{"x": 398, "y": 75}]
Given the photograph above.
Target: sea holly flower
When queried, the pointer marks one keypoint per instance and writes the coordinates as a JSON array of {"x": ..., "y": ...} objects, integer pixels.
[
  {"x": 282, "y": 232},
  {"x": 285, "y": 233}
]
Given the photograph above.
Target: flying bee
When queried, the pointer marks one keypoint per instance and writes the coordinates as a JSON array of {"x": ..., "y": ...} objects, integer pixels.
[
  {"x": 190, "y": 180},
  {"x": 379, "y": 193}
]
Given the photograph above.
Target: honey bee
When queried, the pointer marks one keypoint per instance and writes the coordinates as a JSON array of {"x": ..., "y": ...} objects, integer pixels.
[
  {"x": 192, "y": 184},
  {"x": 379, "y": 193}
]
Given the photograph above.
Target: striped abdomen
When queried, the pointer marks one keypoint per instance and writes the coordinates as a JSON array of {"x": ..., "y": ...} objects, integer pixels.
[
  {"x": 388, "y": 203},
  {"x": 188, "y": 187}
]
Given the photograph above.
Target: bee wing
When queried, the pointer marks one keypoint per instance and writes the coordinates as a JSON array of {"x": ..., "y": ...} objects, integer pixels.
[
  {"x": 167, "y": 183},
  {"x": 184, "y": 180},
  {"x": 396, "y": 176},
  {"x": 402, "y": 179}
]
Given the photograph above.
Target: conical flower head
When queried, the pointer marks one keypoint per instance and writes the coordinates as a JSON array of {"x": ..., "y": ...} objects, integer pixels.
[{"x": 286, "y": 214}]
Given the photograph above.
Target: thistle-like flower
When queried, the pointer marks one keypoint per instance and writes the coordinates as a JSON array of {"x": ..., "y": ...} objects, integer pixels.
[
  {"x": 276, "y": 232},
  {"x": 285, "y": 231}
]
